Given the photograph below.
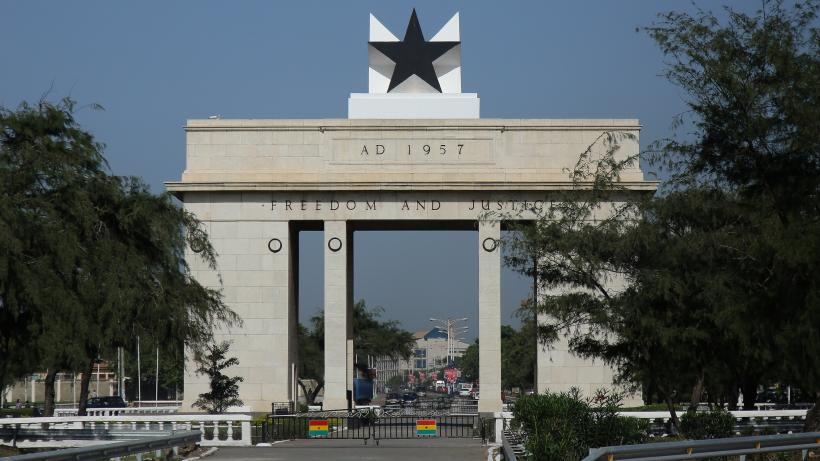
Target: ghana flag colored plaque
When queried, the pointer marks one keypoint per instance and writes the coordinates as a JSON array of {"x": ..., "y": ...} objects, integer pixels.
[
  {"x": 425, "y": 427},
  {"x": 317, "y": 428}
]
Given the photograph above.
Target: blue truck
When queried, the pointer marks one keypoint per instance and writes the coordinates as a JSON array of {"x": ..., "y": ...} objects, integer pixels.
[{"x": 362, "y": 391}]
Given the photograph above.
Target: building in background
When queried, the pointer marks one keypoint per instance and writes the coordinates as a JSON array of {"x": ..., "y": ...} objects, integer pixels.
[{"x": 429, "y": 353}]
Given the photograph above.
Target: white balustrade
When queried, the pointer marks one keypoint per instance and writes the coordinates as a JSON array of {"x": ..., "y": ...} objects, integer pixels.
[
  {"x": 217, "y": 430},
  {"x": 741, "y": 416},
  {"x": 118, "y": 411}
]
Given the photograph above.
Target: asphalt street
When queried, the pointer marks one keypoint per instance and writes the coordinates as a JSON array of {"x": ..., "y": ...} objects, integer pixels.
[{"x": 355, "y": 450}]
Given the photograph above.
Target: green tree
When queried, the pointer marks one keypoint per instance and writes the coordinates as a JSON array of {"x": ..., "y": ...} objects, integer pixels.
[
  {"x": 754, "y": 86},
  {"x": 711, "y": 283},
  {"x": 45, "y": 158},
  {"x": 88, "y": 260},
  {"x": 371, "y": 337},
  {"x": 224, "y": 389},
  {"x": 468, "y": 363},
  {"x": 518, "y": 352}
]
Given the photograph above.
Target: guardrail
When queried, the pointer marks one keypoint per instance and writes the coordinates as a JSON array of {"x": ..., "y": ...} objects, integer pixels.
[
  {"x": 215, "y": 430},
  {"x": 116, "y": 449},
  {"x": 700, "y": 449}
]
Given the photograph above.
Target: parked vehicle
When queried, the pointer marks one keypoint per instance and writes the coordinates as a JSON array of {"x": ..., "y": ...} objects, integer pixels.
[
  {"x": 114, "y": 401},
  {"x": 409, "y": 398},
  {"x": 362, "y": 391},
  {"x": 393, "y": 399}
]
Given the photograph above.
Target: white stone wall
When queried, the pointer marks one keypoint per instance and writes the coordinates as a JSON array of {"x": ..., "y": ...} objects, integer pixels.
[
  {"x": 258, "y": 286},
  {"x": 500, "y": 153}
]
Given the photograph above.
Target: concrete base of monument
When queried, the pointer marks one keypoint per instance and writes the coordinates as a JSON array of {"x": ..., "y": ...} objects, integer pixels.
[{"x": 413, "y": 106}]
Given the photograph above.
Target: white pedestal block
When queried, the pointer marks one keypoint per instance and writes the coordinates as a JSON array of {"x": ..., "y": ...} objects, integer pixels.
[{"x": 413, "y": 105}]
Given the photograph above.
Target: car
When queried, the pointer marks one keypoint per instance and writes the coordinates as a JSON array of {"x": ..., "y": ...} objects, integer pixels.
[
  {"x": 409, "y": 398},
  {"x": 464, "y": 392},
  {"x": 393, "y": 399},
  {"x": 113, "y": 401}
]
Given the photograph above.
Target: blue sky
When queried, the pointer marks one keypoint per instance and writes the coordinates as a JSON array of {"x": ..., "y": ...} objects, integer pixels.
[{"x": 154, "y": 64}]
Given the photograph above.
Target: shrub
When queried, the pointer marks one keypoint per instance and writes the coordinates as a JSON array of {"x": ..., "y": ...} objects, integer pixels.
[
  {"x": 716, "y": 424},
  {"x": 563, "y": 427}
]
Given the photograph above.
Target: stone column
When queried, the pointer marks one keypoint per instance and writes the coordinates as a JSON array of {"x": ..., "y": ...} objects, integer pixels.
[
  {"x": 256, "y": 269},
  {"x": 489, "y": 316},
  {"x": 338, "y": 241}
]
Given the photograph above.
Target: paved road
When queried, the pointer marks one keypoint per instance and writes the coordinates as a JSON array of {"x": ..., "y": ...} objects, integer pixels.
[{"x": 355, "y": 450}]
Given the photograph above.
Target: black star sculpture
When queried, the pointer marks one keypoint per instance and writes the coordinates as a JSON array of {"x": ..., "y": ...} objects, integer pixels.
[{"x": 413, "y": 55}]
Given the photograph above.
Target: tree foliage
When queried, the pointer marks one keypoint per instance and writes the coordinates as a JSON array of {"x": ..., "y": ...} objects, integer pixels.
[
  {"x": 564, "y": 426},
  {"x": 709, "y": 285},
  {"x": 518, "y": 351},
  {"x": 224, "y": 391},
  {"x": 467, "y": 364},
  {"x": 89, "y": 260}
]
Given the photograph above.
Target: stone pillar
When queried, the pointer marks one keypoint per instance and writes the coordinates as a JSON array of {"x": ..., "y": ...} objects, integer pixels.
[
  {"x": 489, "y": 316},
  {"x": 338, "y": 241},
  {"x": 257, "y": 270}
]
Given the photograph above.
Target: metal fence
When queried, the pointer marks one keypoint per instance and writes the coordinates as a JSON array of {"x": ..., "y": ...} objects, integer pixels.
[
  {"x": 156, "y": 445},
  {"x": 368, "y": 426}
]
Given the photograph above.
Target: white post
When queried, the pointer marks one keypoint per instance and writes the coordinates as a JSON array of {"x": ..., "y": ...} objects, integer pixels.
[
  {"x": 74, "y": 389},
  {"x": 98, "y": 379},
  {"x": 294, "y": 392},
  {"x": 139, "y": 377},
  {"x": 156, "y": 383}
]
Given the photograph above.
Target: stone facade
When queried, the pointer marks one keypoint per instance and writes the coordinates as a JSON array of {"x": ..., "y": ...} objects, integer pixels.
[{"x": 257, "y": 183}]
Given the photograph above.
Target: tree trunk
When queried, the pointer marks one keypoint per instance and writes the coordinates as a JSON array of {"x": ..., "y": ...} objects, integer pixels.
[
  {"x": 84, "y": 382},
  {"x": 697, "y": 393},
  {"x": 51, "y": 376},
  {"x": 304, "y": 391},
  {"x": 673, "y": 414},
  {"x": 732, "y": 403},
  {"x": 316, "y": 392},
  {"x": 812, "y": 423},
  {"x": 749, "y": 390}
]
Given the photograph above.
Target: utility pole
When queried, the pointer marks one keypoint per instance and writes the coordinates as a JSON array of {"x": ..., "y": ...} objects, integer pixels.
[
  {"x": 453, "y": 332},
  {"x": 139, "y": 376}
]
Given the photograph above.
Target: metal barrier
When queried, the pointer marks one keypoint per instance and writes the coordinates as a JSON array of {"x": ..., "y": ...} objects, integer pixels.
[
  {"x": 700, "y": 449},
  {"x": 367, "y": 426},
  {"x": 117, "y": 449},
  {"x": 282, "y": 408}
]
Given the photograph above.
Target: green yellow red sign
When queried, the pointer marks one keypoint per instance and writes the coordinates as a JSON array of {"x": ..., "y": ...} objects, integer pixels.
[
  {"x": 425, "y": 427},
  {"x": 317, "y": 428}
]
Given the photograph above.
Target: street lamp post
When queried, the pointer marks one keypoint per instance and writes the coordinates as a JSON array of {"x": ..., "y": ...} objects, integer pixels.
[{"x": 452, "y": 333}]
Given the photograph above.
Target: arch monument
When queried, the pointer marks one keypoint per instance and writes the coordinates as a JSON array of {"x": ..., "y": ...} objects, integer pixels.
[{"x": 412, "y": 154}]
